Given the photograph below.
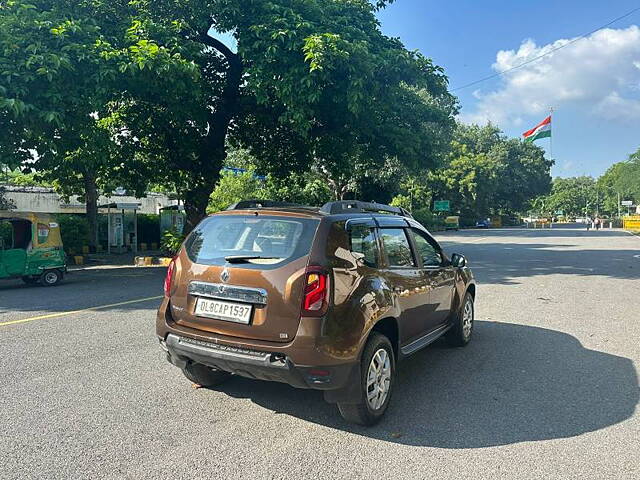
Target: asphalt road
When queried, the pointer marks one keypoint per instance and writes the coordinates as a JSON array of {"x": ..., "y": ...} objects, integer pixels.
[{"x": 548, "y": 388}]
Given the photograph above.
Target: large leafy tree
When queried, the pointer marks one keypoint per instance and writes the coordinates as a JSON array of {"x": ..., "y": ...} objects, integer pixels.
[
  {"x": 487, "y": 173},
  {"x": 313, "y": 84},
  {"x": 55, "y": 86},
  {"x": 578, "y": 196},
  {"x": 621, "y": 182},
  {"x": 574, "y": 196}
]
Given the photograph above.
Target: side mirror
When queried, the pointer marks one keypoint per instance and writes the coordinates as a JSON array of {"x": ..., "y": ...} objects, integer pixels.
[{"x": 458, "y": 260}]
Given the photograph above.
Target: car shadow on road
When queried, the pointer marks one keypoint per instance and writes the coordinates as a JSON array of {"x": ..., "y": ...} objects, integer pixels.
[
  {"x": 522, "y": 260},
  {"x": 513, "y": 383}
]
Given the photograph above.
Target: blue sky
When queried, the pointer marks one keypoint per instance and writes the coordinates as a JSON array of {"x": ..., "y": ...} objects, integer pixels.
[{"x": 594, "y": 84}]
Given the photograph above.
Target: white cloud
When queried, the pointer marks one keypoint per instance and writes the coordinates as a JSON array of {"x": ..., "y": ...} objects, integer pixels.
[
  {"x": 600, "y": 74},
  {"x": 615, "y": 107},
  {"x": 567, "y": 165}
]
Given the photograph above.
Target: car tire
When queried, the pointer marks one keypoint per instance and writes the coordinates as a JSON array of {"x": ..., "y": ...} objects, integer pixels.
[
  {"x": 377, "y": 369},
  {"x": 204, "y": 376},
  {"x": 460, "y": 333},
  {"x": 50, "y": 278}
]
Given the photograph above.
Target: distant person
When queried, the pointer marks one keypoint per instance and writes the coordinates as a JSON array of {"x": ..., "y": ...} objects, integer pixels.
[
  {"x": 588, "y": 223},
  {"x": 598, "y": 221}
]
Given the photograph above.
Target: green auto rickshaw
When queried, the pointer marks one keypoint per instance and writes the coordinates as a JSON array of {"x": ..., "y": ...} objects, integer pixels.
[
  {"x": 31, "y": 248},
  {"x": 452, "y": 222}
]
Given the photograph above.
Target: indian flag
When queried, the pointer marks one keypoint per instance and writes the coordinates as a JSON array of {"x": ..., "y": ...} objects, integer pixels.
[{"x": 542, "y": 130}]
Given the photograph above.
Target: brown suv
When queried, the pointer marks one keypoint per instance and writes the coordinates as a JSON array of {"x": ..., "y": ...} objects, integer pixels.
[{"x": 326, "y": 298}]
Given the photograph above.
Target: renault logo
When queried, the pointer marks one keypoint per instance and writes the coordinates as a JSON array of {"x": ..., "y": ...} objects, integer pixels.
[{"x": 224, "y": 276}]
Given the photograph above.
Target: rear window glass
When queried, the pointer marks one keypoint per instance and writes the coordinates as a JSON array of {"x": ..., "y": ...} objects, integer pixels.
[
  {"x": 363, "y": 242},
  {"x": 273, "y": 238}
]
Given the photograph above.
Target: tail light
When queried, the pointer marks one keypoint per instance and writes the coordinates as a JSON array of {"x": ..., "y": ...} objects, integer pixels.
[
  {"x": 316, "y": 292},
  {"x": 169, "y": 278}
]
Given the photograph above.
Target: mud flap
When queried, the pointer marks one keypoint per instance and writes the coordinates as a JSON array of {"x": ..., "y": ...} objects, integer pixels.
[{"x": 351, "y": 393}]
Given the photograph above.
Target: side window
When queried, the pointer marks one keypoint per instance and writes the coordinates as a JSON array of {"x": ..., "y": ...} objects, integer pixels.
[
  {"x": 363, "y": 242},
  {"x": 430, "y": 256},
  {"x": 6, "y": 235},
  {"x": 396, "y": 246}
]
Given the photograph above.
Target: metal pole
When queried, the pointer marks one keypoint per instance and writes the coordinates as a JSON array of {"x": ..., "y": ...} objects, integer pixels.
[
  {"x": 109, "y": 229},
  {"x": 618, "y": 204},
  {"x": 586, "y": 202},
  {"x": 135, "y": 231},
  {"x": 551, "y": 136},
  {"x": 122, "y": 239}
]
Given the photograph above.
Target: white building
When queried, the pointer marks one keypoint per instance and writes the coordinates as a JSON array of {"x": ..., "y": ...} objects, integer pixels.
[{"x": 46, "y": 200}]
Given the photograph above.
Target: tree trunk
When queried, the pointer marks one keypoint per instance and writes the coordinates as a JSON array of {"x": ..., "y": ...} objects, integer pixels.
[
  {"x": 91, "y": 199},
  {"x": 206, "y": 170},
  {"x": 195, "y": 205}
]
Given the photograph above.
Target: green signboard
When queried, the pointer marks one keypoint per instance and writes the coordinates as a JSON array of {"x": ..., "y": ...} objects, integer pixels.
[
  {"x": 441, "y": 206},
  {"x": 559, "y": 212}
]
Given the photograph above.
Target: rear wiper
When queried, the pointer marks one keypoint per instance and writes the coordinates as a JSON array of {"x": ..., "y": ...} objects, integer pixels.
[{"x": 246, "y": 258}]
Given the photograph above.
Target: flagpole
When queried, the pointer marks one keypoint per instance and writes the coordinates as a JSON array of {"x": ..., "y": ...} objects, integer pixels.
[{"x": 551, "y": 136}]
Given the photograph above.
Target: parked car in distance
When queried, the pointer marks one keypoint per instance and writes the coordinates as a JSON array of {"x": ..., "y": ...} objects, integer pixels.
[
  {"x": 484, "y": 223},
  {"x": 327, "y": 298}
]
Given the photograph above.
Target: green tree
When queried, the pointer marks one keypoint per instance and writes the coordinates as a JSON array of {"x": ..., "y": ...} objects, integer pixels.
[
  {"x": 313, "y": 84},
  {"x": 234, "y": 186},
  {"x": 306, "y": 188},
  {"x": 146, "y": 92},
  {"x": 621, "y": 182},
  {"x": 239, "y": 181},
  {"x": 574, "y": 196},
  {"x": 20, "y": 178},
  {"x": 489, "y": 174},
  {"x": 5, "y": 203},
  {"x": 55, "y": 84}
]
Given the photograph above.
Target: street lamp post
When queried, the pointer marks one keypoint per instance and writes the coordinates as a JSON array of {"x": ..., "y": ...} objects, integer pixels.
[{"x": 618, "y": 204}]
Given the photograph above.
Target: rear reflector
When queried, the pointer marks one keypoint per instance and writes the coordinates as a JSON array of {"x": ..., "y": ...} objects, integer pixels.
[
  {"x": 168, "y": 280},
  {"x": 315, "y": 292}
]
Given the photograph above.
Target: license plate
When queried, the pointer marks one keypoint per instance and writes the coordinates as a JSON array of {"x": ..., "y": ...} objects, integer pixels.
[{"x": 228, "y": 311}]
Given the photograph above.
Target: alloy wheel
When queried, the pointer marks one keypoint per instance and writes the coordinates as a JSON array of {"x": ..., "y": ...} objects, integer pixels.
[
  {"x": 467, "y": 318},
  {"x": 378, "y": 379}
]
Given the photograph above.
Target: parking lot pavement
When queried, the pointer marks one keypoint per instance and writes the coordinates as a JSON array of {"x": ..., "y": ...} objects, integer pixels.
[{"x": 548, "y": 388}]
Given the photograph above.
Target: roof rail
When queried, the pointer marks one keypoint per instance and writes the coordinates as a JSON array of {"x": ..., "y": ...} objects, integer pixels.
[
  {"x": 356, "y": 206},
  {"x": 244, "y": 204}
]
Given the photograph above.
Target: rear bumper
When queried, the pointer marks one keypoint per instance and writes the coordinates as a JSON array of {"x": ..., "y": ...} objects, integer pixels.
[{"x": 260, "y": 365}]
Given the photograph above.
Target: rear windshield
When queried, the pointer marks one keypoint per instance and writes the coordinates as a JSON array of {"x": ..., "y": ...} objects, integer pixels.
[{"x": 273, "y": 238}]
